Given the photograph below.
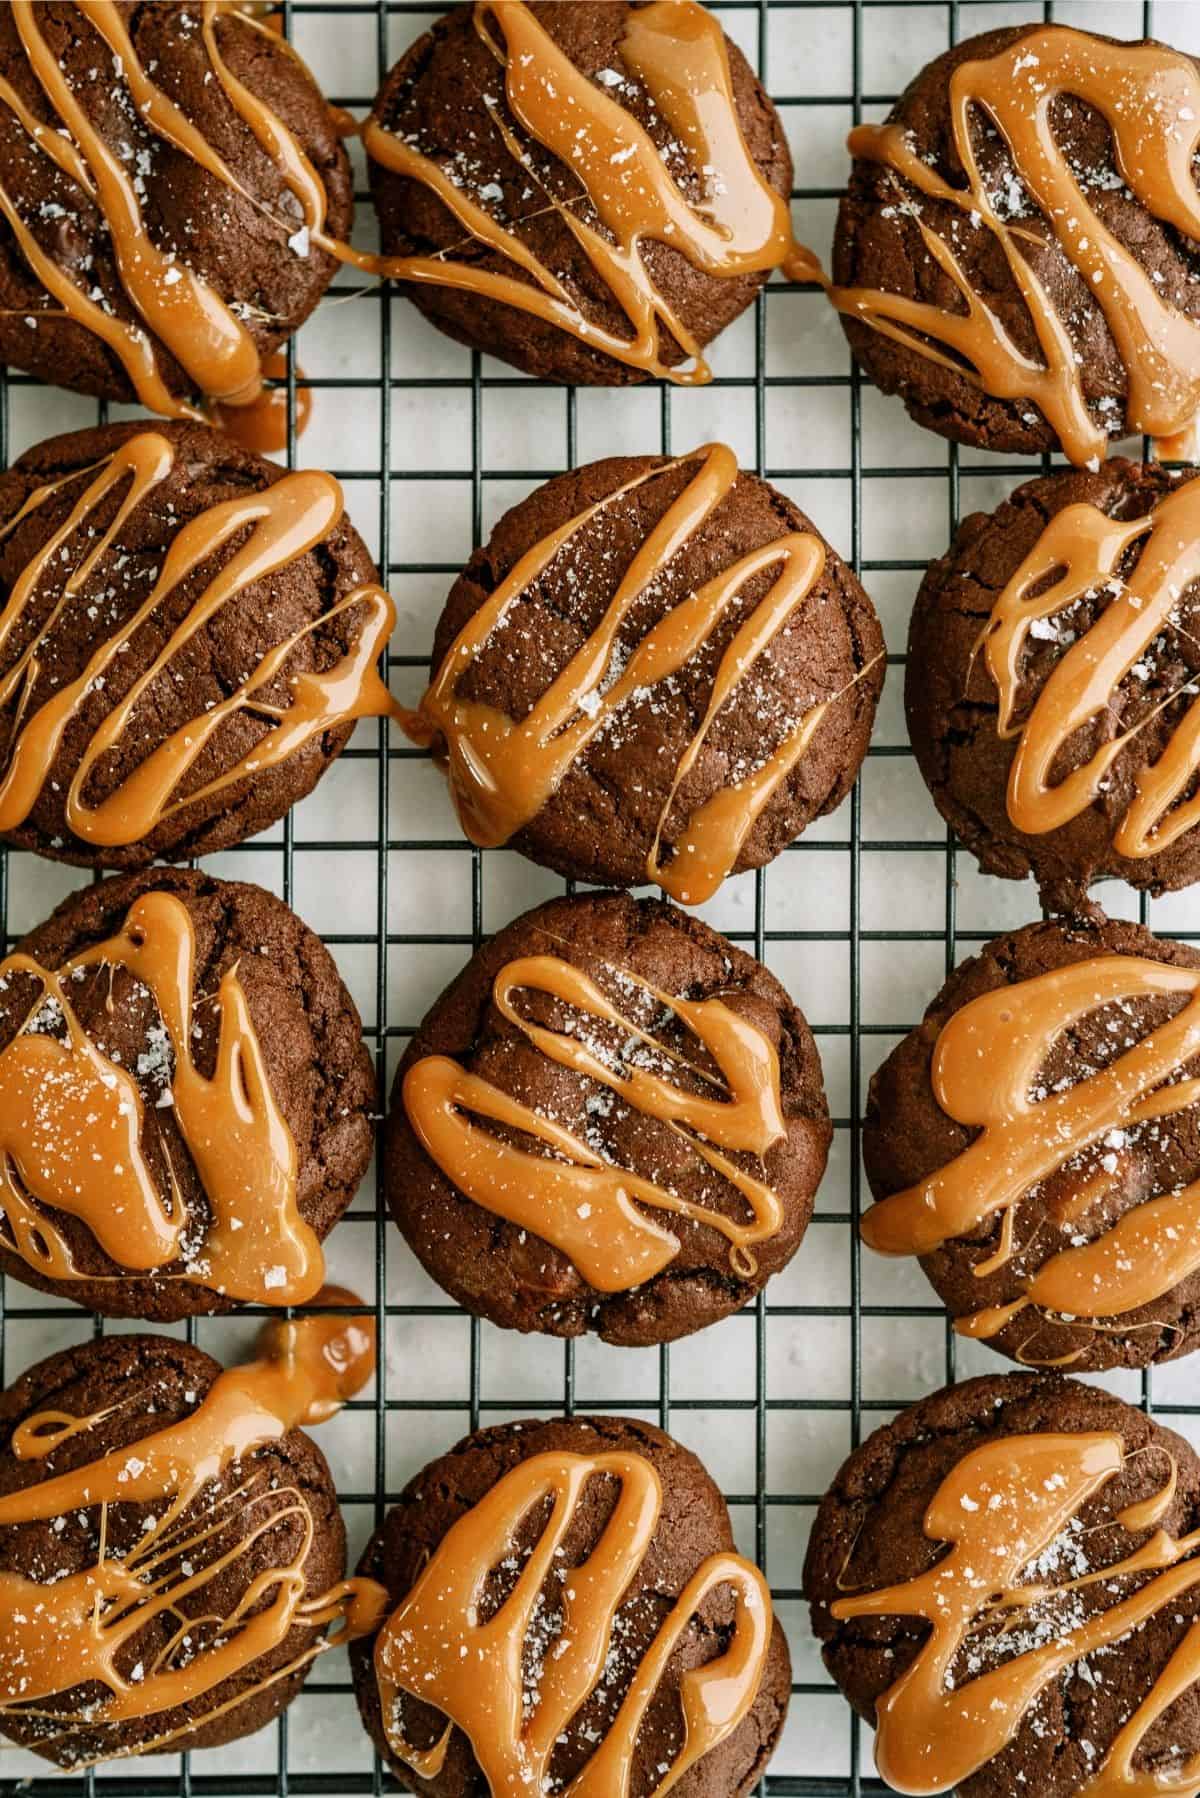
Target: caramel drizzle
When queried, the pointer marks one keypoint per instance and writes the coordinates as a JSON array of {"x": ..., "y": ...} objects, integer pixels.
[
  {"x": 503, "y": 771},
  {"x": 676, "y": 50},
  {"x": 1084, "y": 549},
  {"x": 986, "y": 1065},
  {"x": 177, "y": 305},
  {"x": 1149, "y": 97},
  {"x": 284, "y": 522},
  {"x": 673, "y": 47},
  {"x": 587, "y": 1207},
  {"x": 434, "y": 1648},
  {"x": 72, "y": 1121},
  {"x": 74, "y": 1630},
  {"x": 1000, "y": 1509}
]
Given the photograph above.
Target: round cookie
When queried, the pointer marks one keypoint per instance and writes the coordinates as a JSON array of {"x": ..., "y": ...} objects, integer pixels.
[
  {"x": 1037, "y": 1514},
  {"x": 657, "y": 750},
  {"x": 447, "y": 98},
  {"x": 255, "y": 1513},
  {"x": 998, "y": 588},
  {"x": 1097, "y": 1274},
  {"x": 190, "y": 680},
  {"x": 684, "y": 1165},
  {"x": 918, "y": 242},
  {"x": 302, "y": 1073},
  {"x": 692, "y": 1526},
  {"x": 239, "y": 237}
]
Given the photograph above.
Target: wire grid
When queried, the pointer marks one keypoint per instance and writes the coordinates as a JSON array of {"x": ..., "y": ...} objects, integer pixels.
[{"x": 877, "y": 895}]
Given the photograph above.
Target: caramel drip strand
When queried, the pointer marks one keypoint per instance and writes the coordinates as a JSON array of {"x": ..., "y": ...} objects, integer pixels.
[
  {"x": 1149, "y": 97},
  {"x": 79, "y": 1629},
  {"x": 262, "y": 426},
  {"x": 434, "y": 1648},
  {"x": 1001, "y": 1509},
  {"x": 1083, "y": 549},
  {"x": 589, "y": 1208},
  {"x": 277, "y": 526},
  {"x": 72, "y": 1124},
  {"x": 676, "y": 51},
  {"x": 503, "y": 771},
  {"x": 987, "y": 1063}
]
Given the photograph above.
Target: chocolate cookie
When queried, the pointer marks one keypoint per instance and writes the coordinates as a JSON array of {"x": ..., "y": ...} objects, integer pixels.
[
  {"x": 1036, "y": 1141},
  {"x": 151, "y": 248},
  {"x": 588, "y": 191},
  {"x": 1015, "y": 254},
  {"x": 613, "y": 1120},
  {"x": 974, "y": 1581},
  {"x": 657, "y": 669},
  {"x": 107, "y": 1505},
  {"x": 1050, "y": 683},
  {"x": 187, "y": 636},
  {"x": 186, "y": 1099},
  {"x": 613, "y": 1529}
]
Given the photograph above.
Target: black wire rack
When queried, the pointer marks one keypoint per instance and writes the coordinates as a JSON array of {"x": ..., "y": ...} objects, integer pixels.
[{"x": 820, "y": 1385}]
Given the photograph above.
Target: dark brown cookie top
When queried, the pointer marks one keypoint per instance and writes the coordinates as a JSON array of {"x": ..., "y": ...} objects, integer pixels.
[
  {"x": 600, "y": 823},
  {"x": 235, "y": 241},
  {"x": 880, "y": 243},
  {"x": 869, "y": 1534},
  {"x": 692, "y": 1526},
  {"x": 644, "y": 956},
  {"x": 254, "y": 1515},
  {"x": 952, "y": 699},
  {"x": 1094, "y": 1184},
  {"x": 213, "y": 659},
  {"x": 446, "y": 94},
  {"x": 318, "y": 1071}
]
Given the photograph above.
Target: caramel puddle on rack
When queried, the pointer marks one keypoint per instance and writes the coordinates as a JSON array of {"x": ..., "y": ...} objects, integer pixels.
[
  {"x": 72, "y": 1632},
  {"x": 502, "y": 772},
  {"x": 72, "y": 1123},
  {"x": 587, "y": 1207},
  {"x": 278, "y": 525},
  {"x": 1080, "y": 552},
  {"x": 986, "y": 1065},
  {"x": 1000, "y": 1509},
  {"x": 673, "y": 47},
  {"x": 1149, "y": 97},
  {"x": 434, "y": 1647}
]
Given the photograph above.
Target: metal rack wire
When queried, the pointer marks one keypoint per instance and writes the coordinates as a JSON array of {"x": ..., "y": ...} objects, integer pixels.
[{"x": 782, "y": 1392}]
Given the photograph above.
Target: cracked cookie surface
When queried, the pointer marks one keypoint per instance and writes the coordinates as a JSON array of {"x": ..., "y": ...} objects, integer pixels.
[
  {"x": 870, "y": 1534},
  {"x": 308, "y": 1031},
  {"x": 952, "y": 700},
  {"x": 692, "y": 1526},
  {"x": 515, "y": 1277}
]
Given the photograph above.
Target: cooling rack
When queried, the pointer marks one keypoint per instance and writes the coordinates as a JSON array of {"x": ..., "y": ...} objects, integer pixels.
[{"x": 861, "y": 920}]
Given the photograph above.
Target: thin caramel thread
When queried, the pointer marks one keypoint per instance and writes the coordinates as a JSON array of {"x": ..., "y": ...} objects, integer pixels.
[
  {"x": 434, "y": 1647},
  {"x": 69, "y": 1632},
  {"x": 574, "y": 1198},
  {"x": 284, "y": 522},
  {"x": 1146, "y": 94},
  {"x": 986, "y": 1062},
  {"x": 1001, "y": 1508},
  {"x": 503, "y": 771},
  {"x": 72, "y": 1122}
]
